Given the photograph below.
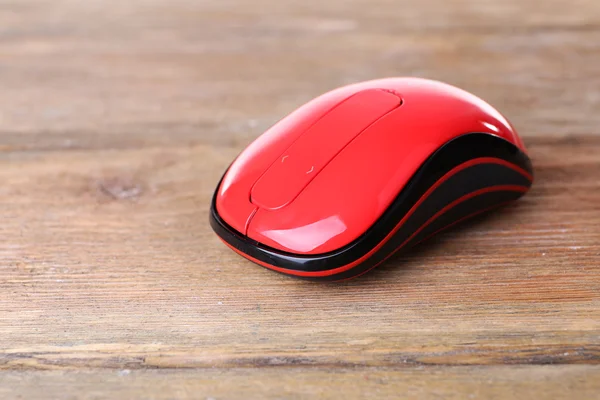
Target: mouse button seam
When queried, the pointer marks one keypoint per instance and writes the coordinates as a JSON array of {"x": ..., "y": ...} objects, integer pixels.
[
  {"x": 364, "y": 131},
  {"x": 249, "y": 220},
  {"x": 294, "y": 141}
]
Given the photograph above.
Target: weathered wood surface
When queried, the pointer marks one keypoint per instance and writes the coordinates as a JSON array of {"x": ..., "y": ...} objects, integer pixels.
[
  {"x": 455, "y": 383},
  {"x": 117, "y": 120}
]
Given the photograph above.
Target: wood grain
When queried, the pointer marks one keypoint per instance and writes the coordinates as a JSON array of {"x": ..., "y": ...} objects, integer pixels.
[
  {"x": 558, "y": 382},
  {"x": 117, "y": 120}
]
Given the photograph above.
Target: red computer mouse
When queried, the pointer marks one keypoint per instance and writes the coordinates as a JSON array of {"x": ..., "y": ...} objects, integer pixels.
[{"x": 336, "y": 187}]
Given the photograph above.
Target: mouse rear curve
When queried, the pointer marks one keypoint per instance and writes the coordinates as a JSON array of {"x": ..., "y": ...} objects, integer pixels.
[{"x": 467, "y": 176}]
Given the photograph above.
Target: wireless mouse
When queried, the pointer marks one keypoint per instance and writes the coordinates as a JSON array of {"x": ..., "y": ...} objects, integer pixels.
[{"x": 339, "y": 185}]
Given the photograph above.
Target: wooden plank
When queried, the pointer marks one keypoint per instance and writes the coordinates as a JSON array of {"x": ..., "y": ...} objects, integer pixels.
[
  {"x": 117, "y": 120},
  {"x": 107, "y": 260},
  {"x": 543, "y": 382},
  {"x": 154, "y": 73}
]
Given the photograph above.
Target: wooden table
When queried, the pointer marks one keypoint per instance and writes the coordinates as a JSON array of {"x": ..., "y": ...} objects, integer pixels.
[{"x": 117, "y": 119}]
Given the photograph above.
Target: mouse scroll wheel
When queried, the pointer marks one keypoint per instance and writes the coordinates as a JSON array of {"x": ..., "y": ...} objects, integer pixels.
[{"x": 309, "y": 154}]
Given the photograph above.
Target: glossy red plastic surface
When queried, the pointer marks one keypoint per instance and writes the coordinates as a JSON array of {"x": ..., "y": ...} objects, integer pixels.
[
  {"x": 233, "y": 199},
  {"x": 355, "y": 187},
  {"x": 304, "y": 159}
]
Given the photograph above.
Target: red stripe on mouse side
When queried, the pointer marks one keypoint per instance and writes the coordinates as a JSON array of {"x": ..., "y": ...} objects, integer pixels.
[
  {"x": 437, "y": 215},
  {"x": 489, "y": 160},
  {"x": 448, "y": 175},
  {"x": 515, "y": 188},
  {"x": 466, "y": 217},
  {"x": 481, "y": 160}
]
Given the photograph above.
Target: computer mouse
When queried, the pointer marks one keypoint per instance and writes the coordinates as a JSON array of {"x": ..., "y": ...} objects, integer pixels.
[{"x": 351, "y": 177}]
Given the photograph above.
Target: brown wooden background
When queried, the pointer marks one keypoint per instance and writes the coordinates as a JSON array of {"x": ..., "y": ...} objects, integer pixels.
[{"x": 117, "y": 119}]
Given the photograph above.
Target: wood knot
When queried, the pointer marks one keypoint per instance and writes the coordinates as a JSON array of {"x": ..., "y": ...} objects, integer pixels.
[{"x": 119, "y": 188}]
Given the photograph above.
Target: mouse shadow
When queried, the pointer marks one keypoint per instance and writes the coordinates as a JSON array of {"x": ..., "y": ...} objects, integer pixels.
[{"x": 408, "y": 259}]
